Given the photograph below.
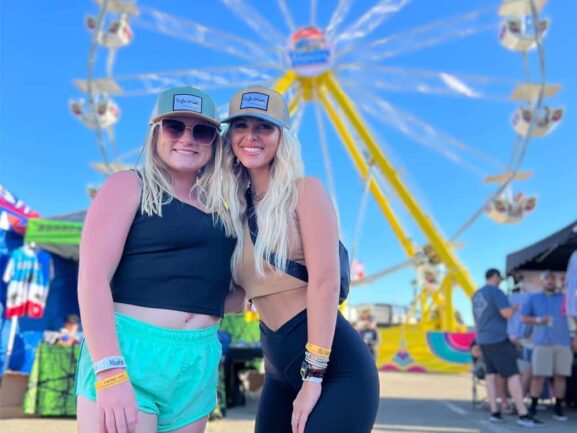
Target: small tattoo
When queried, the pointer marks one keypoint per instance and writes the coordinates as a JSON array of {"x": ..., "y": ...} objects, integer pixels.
[{"x": 189, "y": 318}]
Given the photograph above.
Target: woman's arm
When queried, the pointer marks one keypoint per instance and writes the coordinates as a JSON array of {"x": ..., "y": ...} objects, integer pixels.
[
  {"x": 320, "y": 237},
  {"x": 103, "y": 236}
]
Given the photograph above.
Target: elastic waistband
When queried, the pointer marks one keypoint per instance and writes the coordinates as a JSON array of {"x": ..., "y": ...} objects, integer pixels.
[
  {"x": 287, "y": 327},
  {"x": 128, "y": 324}
]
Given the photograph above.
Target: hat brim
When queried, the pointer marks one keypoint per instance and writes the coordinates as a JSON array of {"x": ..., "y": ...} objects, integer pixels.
[
  {"x": 186, "y": 114},
  {"x": 258, "y": 116}
]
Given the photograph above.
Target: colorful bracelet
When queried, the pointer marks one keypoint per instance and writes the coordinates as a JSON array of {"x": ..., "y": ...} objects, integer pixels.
[
  {"x": 111, "y": 381},
  {"x": 318, "y": 350}
]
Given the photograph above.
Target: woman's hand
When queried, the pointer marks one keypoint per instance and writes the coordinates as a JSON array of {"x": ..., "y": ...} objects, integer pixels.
[
  {"x": 304, "y": 404},
  {"x": 117, "y": 409}
]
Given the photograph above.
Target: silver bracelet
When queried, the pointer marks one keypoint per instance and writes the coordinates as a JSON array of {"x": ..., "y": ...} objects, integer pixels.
[{"x": 321, "y": 365}]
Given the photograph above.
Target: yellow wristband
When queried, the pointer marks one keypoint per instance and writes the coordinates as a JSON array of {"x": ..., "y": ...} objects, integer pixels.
[
  {"x": 318, "y": 350},
  {"x": 111, "y": 381}
]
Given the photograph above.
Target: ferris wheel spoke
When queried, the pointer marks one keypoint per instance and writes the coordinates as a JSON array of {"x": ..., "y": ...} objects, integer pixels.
[
  {"x": 439, "y": 83},
  {"x": 234, "y": 76},
  {"x": 202, "y": 35},
  {"x": 287, "y": 15},
  {"x": 110, "y": 60},
  {"x": 326, "y": 156},
  {"x": 372, "y": 19},
  {"x": 297, "y": 117},
  {"x": 253, "y": 19},
  {"x": 313, "y": 18},
  {"x": 369, "y": 279},
  {"x": 338, "y": 16},
  {"x": 134, "y": 152},
  {"x": 425, "y": 134},
  {"x": 435, "y": 33},
  {"x": 111, "y": 139}
]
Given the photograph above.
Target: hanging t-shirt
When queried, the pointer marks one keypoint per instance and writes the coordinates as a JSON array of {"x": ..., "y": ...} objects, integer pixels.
[{"x": 28, "y": 273}]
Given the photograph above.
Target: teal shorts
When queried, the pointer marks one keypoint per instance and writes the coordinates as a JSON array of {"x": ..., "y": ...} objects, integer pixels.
[{"x": 174, "y": 372}]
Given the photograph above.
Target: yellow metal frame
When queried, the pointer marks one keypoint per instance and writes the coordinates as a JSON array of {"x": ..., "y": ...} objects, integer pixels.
[{"x": 436, "y": 305}]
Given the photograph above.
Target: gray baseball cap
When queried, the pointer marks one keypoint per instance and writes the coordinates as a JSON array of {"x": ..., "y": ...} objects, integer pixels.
[
  {"x": 259, "y": 102},
  {"x": 185, "y": 101}
]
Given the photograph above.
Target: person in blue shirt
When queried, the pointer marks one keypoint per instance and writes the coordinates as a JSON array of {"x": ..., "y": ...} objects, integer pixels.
[
  {"x": 520, "y": 333},
  {"x": 552, "y": 355},
  {"x": 491, "y": 310}
]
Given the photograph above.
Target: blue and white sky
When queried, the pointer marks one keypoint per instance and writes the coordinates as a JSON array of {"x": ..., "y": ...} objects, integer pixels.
[{"x": 45, "y": 152}]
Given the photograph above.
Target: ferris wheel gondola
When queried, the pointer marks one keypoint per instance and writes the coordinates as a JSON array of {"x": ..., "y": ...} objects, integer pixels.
[{"x": 110, "y": 29}]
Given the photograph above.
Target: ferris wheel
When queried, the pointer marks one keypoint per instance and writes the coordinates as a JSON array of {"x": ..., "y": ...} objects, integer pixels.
[{"x": 340, "y": 68}]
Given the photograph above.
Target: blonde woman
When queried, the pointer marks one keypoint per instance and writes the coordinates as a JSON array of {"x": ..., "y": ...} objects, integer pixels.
[
  {"x": 320, "y": 376},
  {"x": 154, "y": 274}
]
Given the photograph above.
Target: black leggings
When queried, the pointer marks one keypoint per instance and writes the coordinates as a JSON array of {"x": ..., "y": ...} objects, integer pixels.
[{"x": 350, "y": 390}]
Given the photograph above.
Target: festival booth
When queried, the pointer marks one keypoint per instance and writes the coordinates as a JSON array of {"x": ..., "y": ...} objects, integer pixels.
[
  {"x": 38, "y": 289},
  {"x": 551, "y": 253}
]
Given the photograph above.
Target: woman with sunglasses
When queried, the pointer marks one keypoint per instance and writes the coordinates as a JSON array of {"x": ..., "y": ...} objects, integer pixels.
[
  {"x": 319, "y": 375},
  {"x": 153, "y": 278}
]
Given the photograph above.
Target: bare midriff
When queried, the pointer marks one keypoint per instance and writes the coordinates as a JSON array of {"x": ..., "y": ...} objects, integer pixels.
[
  {"x": 163, "y": 318},
  {"x": 278, "y": 308}
]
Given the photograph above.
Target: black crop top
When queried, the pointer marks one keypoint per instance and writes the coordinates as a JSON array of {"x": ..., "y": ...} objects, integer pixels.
[{"x": 180, "y": 261}]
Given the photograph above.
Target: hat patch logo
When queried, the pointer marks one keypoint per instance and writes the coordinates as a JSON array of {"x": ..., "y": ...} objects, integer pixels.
[
  {"x": 254, "y": 100},
  {"x": 187, "y": 103}
]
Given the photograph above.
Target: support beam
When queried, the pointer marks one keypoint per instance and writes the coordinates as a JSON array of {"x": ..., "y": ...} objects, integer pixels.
[
  {"x": 285, "y": 82},
  {"x": 448, "y": 317},
  {"x": 363, "y": 169},
  {"x": 431, "y": 232},
  {"x": 294, "y": 103}
]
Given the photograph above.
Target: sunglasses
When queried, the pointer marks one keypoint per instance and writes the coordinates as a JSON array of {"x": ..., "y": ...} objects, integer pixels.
[{"x": 202, "y": 133}]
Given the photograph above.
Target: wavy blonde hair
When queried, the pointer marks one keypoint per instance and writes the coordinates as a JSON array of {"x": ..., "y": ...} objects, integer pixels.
[
  {"x": 276, "y": 213},
  {"x": 157, "y": 182}
]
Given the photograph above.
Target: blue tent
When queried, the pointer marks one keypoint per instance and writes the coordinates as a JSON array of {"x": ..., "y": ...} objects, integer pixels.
[{"x": 62, "y": 300}]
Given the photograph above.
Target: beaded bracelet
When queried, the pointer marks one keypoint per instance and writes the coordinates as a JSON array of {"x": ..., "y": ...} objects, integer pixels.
[
  {"x": 316, "y": 361},
  {"x": 315, "y": 356},
  {"x": 111, "y": 381}
]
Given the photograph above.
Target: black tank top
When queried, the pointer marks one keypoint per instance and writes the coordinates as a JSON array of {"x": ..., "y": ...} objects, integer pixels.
[{"x": 180, "y": 261}]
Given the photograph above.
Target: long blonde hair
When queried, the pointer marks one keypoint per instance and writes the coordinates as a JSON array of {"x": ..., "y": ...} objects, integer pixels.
[
  {"x": 276, "y": 213},
  {"x": 157, "y": 187}
]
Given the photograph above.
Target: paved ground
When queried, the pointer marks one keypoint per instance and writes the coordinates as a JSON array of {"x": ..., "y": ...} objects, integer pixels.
[{"x": 410, "y": 403}]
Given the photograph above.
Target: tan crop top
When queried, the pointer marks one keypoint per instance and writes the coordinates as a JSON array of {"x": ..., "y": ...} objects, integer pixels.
[{"x": 274, "y": 281}]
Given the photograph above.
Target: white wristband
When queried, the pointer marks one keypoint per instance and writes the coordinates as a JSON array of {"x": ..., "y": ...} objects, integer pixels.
[
  {"x": 313, "y": 379},
  {"x": 538, "y": 320},
  {"x": 109, "y": 363}
]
